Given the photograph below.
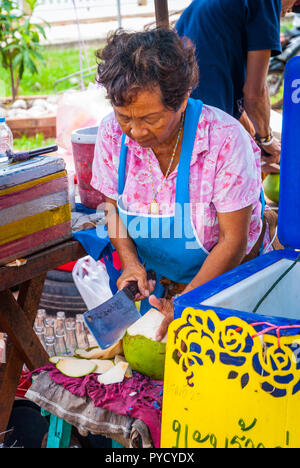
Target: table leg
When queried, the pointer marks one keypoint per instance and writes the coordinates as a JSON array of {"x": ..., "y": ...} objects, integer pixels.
[
  {"x": 24, "y": 309},
  {"x": 18, "y": 327}
]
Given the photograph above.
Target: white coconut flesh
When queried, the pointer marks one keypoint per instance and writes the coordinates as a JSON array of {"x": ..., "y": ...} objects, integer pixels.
[
  {"x": 148, "y": 325},
  {"x": 103, "y": 365},
  {"x": 55, "y": 359},
  {"x": 119, "y": 358},
  {"x": 76, "y": 367},
  {"x": 114, "y": 375}
]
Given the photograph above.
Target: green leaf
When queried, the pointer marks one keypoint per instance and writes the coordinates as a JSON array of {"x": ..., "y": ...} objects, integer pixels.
[
  {"x": 38, "y": 55},
  {"x": 17, "y": 60},
  {"x": 42, "y": 30}
]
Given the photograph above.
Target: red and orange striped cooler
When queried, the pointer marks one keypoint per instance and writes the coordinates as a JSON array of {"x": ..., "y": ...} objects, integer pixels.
[{"x": 35, "y": 210}]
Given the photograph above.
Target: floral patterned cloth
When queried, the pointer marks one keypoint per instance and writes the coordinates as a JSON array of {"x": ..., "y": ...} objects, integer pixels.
[{"x": 225, "y": 174}]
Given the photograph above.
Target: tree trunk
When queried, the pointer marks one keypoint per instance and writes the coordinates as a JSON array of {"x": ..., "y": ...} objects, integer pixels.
[{"x": 12, "y": 82}]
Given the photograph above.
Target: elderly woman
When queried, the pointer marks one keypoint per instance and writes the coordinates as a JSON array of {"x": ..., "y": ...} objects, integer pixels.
[{"x": 182, "y": 179}]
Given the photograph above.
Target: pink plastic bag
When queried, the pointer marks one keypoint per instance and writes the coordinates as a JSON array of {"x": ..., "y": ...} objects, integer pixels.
[{"x": 79, "y": 109}]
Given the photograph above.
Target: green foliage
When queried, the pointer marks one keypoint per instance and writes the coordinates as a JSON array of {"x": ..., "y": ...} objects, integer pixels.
[
  {"x": 37, "y": 141},
  {"x": 20, "y": 41},
  {"x": 59, "y": 63}
]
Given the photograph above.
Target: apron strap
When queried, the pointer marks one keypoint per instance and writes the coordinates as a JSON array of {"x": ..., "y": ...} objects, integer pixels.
[
  {"x": 122, "y": 166},
  {"x": 192, "y": 116},
  {"x": 263, "y": 202}
]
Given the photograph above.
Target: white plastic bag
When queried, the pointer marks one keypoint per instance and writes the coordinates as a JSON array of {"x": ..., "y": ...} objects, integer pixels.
[{"x": 92, "y": 281}]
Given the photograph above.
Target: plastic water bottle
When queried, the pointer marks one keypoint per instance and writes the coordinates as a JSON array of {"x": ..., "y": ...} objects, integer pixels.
[{"x": 6, "y": 137}]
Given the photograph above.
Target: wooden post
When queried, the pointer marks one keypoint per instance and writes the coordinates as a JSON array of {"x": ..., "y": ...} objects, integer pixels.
[{"x": 161, "y": 13}]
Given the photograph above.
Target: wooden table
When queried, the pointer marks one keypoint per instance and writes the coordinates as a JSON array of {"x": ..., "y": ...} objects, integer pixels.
[{"x": 17, "y": 318}]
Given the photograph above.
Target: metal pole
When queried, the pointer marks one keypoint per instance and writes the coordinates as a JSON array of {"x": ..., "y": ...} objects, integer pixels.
[
  {"x": 162, "y": 13},
  {"x": 119, "y": 13}
]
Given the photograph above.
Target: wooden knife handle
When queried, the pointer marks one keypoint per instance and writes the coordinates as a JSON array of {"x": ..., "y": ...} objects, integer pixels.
[{"x": 132, "y": 289}]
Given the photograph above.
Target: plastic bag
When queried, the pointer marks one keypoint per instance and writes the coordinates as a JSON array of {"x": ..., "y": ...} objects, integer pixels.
[
  {"x": 80, "y": 109},
  {"x": 92, "y": 281}
]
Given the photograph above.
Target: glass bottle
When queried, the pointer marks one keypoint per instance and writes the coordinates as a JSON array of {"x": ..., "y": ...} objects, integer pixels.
[
  {"x": 50, "y": 345},
  {"x": 60, "y": 321},
  {"x": 40, "y": 318},
  {"x": 71, "y": 340},
  {"x": 81, "y": 333},
  {"x": 49, "y": 327},
  {"x": 60, "y": 342},
  {"x": 40, "y": 333},
  {"x": 49, "y": 337}
]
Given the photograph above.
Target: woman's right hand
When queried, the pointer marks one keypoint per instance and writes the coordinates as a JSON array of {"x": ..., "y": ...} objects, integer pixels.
[{"x": 136, "y": 272}]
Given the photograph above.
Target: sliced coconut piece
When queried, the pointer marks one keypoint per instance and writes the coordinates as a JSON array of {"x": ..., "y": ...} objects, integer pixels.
[
  {"x": 103, "y": 365},
  {"x": 85, "y": 353},
  {"x": 76, "y": 367},
  {"x": 115, "y": 375},
  {"x": 148, "y": 325},
  {"x": 55, "y": 359},
  {"x": 98, "y": 353},
  {"x": 120, "y": 358}
]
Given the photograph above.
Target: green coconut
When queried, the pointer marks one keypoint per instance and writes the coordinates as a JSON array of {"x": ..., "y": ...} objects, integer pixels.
[
  {"x": 271, "y": 187},
  {"x": 143, "y": 353}
]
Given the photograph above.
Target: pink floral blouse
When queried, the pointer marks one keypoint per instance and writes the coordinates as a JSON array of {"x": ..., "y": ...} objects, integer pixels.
[{"x": 225, "y": 174}]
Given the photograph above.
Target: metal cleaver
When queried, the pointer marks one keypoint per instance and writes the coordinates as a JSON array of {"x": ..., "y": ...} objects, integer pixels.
[{"x": 109, "y": 321}]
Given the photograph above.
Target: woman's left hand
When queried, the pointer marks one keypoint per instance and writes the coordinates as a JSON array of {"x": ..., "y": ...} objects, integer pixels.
[{"x": 165, "y": 306}]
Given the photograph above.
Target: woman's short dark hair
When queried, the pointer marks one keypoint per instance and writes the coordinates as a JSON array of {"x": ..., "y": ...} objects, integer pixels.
[{"x": 133, "y": 61}]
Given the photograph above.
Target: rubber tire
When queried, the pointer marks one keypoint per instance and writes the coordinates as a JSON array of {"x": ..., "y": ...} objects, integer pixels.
[
  {"x": 60, "y": 288},
  {"x": 58, "y": 275}
]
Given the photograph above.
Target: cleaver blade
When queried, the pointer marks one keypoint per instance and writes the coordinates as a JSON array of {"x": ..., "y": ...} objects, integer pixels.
[{"x": 109, "y": 321}]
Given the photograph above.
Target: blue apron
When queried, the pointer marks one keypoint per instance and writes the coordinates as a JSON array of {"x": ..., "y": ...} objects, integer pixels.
[{"x": 168, "y": 244}]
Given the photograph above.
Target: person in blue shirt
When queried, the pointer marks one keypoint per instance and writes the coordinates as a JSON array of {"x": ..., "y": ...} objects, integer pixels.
[{"x": 234, "y": 40}]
